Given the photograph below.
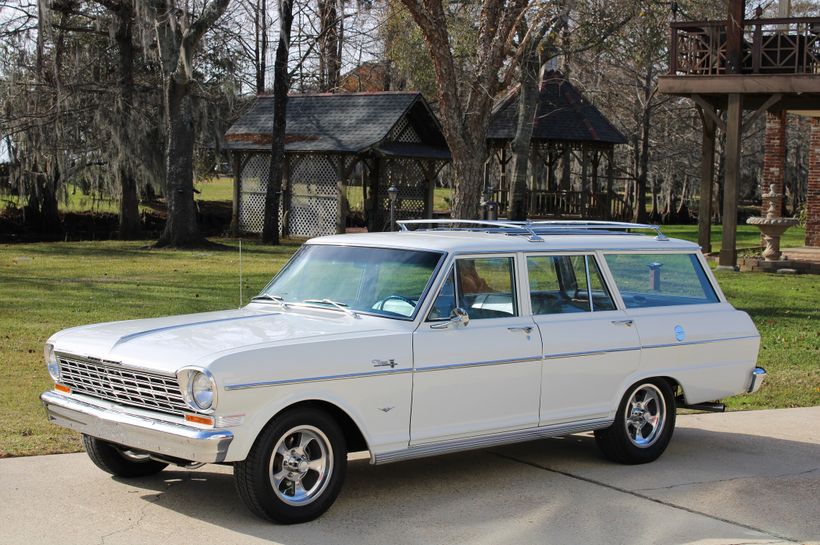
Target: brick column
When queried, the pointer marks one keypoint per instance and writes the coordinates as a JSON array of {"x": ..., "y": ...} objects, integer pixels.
[
  {"x": 813, "y": 189},
  {"x": 774, "y": 160}
]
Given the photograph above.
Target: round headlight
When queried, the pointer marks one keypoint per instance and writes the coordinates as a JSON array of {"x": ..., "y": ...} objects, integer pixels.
[
  {"x": 198, "y": 388},
  {"x": 52, "y": 363},
  {"x": 202, "y": 391}
]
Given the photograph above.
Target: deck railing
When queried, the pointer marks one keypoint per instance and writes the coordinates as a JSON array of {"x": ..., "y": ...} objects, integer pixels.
[
  {"x": 769, "y": 46},
  {"x": 570, "y": 204}
]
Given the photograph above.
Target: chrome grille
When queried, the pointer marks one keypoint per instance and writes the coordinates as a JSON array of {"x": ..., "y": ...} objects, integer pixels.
[{"x": 124, "y": 385}]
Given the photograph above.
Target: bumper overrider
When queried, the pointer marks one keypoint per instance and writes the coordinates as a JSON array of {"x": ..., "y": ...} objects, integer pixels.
[
  {"x": 758, "y": 376},
  {"x": 138, "y": 432}
]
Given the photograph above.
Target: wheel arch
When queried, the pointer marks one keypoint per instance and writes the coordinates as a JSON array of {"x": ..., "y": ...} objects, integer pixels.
[{"x": 354, "y": 437}]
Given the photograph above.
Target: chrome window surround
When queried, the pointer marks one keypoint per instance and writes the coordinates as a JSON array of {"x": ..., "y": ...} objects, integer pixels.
[{"x": 430, "y": 282}]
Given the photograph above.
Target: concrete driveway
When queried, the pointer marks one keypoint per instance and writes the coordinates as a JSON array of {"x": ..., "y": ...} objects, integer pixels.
[{"x": 751, "y": 477}]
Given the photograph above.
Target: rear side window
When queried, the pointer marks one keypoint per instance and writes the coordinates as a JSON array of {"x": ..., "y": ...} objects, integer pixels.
[{"x": 657, "y": 280}]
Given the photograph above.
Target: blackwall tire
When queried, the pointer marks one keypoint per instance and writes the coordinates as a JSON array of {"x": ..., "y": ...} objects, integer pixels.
[
  {"x": 116, "y": 461},
  {"x": 295, "y": 469},
  {"x": 643, "y": 425}
]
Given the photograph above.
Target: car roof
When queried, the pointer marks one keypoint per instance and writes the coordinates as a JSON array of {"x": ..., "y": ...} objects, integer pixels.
[{"x": 469, "y": 241}]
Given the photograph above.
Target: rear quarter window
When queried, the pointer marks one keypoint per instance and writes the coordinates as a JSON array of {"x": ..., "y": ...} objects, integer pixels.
[{"x": 657, "y": 280}]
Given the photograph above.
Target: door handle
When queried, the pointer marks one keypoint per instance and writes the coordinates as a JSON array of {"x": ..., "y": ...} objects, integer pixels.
[
  {"x": 526, "y": 329},
  {"x": 623, "y": 322}
]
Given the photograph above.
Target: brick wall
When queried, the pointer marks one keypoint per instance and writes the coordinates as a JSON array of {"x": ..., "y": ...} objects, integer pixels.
[
  {"x": 774, "y": 159},
  {"x": 813, "y": 194}
]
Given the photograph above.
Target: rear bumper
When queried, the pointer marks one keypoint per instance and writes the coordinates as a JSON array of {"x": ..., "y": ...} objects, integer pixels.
[
  {"x": 758, "y": 376},
  {"x": 138, "y": 432}
]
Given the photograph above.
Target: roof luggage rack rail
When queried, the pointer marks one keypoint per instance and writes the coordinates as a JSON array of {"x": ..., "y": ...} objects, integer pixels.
[{"x": 530, "y": 228}]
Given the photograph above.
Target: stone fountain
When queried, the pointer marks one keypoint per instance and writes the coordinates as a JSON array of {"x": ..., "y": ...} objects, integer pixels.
[{"x": 772, "y": 227}]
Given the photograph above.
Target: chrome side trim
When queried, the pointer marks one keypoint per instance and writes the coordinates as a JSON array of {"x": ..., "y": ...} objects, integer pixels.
[
  {"x": 706, "y": 341},
  {"x": 266, "y": 383},
  {"x": 476, "y": 364},
  {"x": 151, "y": 435},
  {"x": 484, "y": 441},
  {"x": 590, "y": 352}
]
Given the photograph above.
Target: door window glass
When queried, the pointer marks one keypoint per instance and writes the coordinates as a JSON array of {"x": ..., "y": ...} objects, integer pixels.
[{"x": 484, "y": 287}]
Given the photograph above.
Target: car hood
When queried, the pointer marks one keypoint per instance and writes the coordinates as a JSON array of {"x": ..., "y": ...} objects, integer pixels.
[{"x": 166, "y": 344}]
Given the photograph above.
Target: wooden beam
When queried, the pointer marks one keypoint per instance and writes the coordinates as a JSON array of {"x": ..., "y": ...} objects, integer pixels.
[
  {"x": 728, "y": 250},
  {"x": 772, "y": 100},
  {"x": 734, "y": 36},
  {"x": 237, "y": 192},
  {"x": 707, "y": 176},
  {"x": 706, "y": 108},
  {"x": 765, "y": 84},
  {"x": 341, "y": 214}
]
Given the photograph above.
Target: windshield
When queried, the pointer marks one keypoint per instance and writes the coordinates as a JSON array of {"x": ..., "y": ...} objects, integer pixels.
[{"x": 379, "y": 281}]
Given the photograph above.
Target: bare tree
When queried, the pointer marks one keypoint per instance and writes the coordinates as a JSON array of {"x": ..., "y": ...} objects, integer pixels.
[
  {"x": 178, "y": 38},
  {"x": 466, "y": 96},
  {"x": 281, "y": 84}
]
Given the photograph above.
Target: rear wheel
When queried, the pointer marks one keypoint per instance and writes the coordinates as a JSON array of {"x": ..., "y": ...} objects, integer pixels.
[
  {"x": 643, "y": 425},
  {"x": 120, "y": 461},
  {"x": 295, "y": 469}
]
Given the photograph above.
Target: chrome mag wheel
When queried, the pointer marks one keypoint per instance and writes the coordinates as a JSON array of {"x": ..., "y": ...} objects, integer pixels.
[
  {"x": 301, "y": 465},
  {"x": 645, "y": 415}
]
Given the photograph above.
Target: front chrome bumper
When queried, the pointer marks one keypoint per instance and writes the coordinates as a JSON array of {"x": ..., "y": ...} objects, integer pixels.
[
  {"x": 758, "y": 376},
  {"x": 138, "y": 432}
]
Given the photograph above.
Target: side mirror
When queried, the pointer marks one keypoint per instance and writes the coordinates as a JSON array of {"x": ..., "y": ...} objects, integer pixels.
[{"x": 457, "y": 316}]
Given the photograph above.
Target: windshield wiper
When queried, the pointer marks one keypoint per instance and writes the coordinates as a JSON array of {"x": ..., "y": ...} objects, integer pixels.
[
  {"x": 335, "y": 304},
  {"x": 268, "y": 297}
]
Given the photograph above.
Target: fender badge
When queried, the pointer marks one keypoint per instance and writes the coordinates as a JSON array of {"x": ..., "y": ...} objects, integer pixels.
[
  {"x": 386, "y": 409},
  {"x": 391, "y": 363},
  {"x": 680, "y": 334}
]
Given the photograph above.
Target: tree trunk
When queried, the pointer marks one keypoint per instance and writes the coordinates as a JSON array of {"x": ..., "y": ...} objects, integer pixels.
[
  {"x": 180, "y": 228},
  {"x": 129, "y": 214},
  {"x": 468, "y": 165},
  {"x": 281, "y": 84},
  {"x": 639, "y": 214},
  {"x": 129, "y": 219},
  {"x": 527, "y": 106}
]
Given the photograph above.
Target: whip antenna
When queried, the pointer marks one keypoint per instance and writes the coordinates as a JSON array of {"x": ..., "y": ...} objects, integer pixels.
[{"x": 240, "y": 273}]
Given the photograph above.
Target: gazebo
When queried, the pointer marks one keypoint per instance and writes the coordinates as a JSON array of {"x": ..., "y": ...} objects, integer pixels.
[
  {"x": 342, "y": 153},
  {"x": 566, "y": 128}
]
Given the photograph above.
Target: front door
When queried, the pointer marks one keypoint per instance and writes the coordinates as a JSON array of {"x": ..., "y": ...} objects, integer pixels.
[
  {"x": 590, "y": 346},
  {"x": 482, "y": 377}
]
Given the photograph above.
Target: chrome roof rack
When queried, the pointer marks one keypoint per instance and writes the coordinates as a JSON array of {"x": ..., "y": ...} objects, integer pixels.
[{"x": 530, "y": 228}]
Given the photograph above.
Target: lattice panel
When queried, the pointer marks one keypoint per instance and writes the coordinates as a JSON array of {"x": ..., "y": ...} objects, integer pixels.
[
  {"x": 404, "y": 132},
  {"x": 314, "y": 201},
  {"x": 252, "y": 198},
  {"x": 409, "y": 179}
]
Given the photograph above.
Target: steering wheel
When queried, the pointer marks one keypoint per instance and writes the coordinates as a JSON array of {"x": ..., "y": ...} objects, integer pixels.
[{"x": 380, "y": 304}]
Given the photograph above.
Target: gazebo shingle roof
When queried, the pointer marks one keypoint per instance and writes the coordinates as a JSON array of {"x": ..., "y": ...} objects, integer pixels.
[
  {"x": 563, "y": 114},
  {"x": 336, "y": 123}
]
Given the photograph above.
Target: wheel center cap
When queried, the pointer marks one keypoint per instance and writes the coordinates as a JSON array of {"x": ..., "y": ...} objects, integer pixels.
[{"x": 637, "y": 413}]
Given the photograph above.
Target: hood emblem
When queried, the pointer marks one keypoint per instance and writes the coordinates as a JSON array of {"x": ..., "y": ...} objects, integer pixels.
[
  {"x": 391, "y": 363},
  {"x": 680, "y": 334}
]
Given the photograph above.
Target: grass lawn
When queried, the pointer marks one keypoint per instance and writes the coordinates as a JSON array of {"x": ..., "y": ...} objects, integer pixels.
[
  {"x": 46, "y": 287},
  {"x": 748, "y": 236}
]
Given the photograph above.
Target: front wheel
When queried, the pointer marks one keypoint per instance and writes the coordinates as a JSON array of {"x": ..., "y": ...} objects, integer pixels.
[
  {"x": 295, "y": 469},
  {"x": 119, "y": 461},
  {"x": 643, "y": 425}
]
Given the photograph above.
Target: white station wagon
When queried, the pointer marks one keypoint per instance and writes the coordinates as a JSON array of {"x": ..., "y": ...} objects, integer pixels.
[{"x": 443, "y": 337}]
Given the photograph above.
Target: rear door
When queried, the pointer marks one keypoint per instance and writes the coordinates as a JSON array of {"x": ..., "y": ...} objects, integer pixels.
[{"x": 590, "y": 345}]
